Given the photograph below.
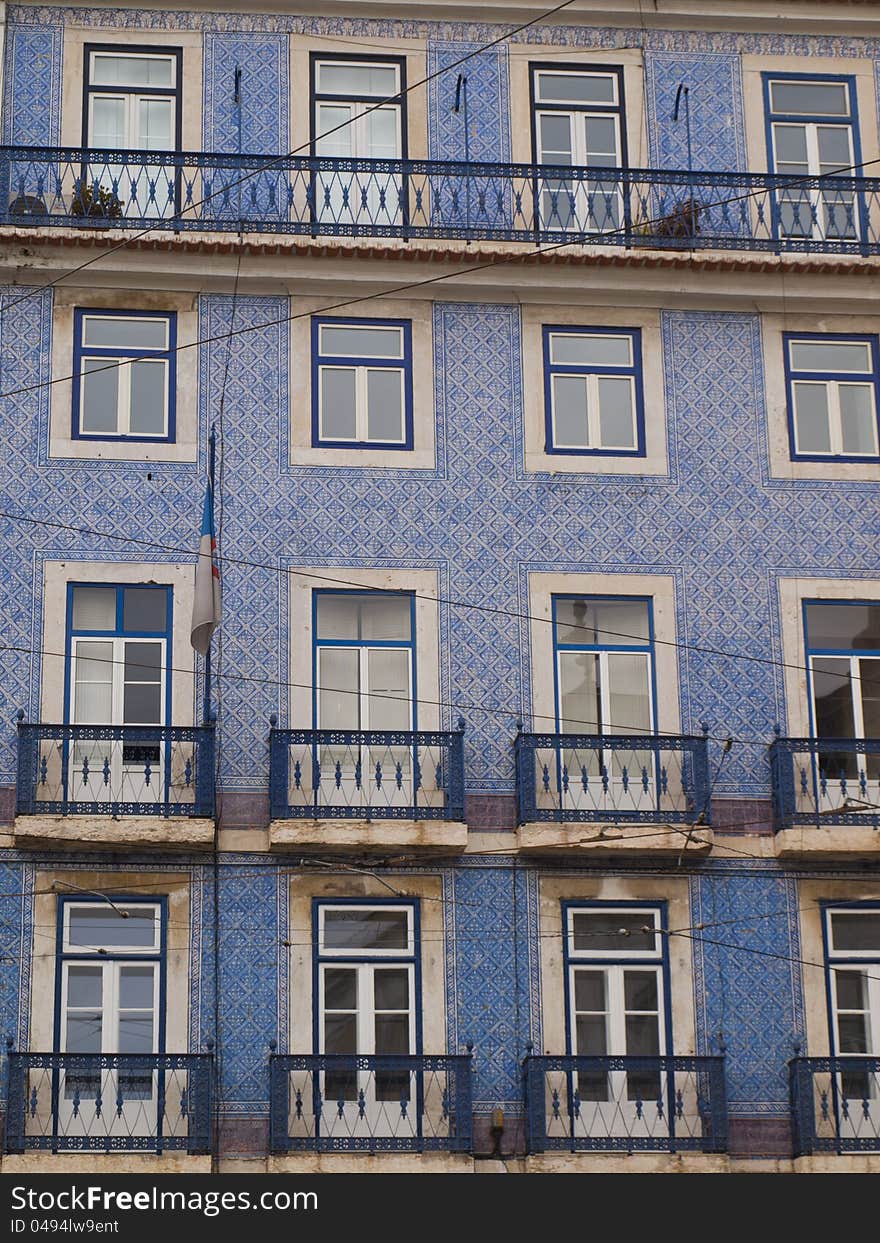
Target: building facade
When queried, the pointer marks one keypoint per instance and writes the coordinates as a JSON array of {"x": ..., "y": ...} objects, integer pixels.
[{"x": 531, "y": 812}]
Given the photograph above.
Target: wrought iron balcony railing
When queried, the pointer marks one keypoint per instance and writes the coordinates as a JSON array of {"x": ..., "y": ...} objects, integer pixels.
[
  {"x": 825, "y": 781},
  {"x": 339, "y": 1103},
  {"x": 582, "y": 777},
  {"x": 115, "y": 770},
  {"x": 625, "y": 1104},
  {"x": 835, "y": 1104},
  {"x": 328, "y": 774},
  {"x": 321, "y": 196},
  {"x": 109, "y": 1102}
]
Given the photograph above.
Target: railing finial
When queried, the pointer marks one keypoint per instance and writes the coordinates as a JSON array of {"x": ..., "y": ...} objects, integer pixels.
[
  {"x": 777, "y": 730},
  {"x": 210, "y": 1044},
  {"x": 273, "y": 720},
  {"x": 19, "y": 716}
]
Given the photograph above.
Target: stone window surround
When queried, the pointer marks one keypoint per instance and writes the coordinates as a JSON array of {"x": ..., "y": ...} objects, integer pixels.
[
  {"x": 184, "y": 447},
  {"x": 659, "y": 587},
  {"x": 304, "y": 580},
  {"x": 302, "y": 451},
  {"x": 655, "y": 460},
  {"x": 778, "y": 441}
]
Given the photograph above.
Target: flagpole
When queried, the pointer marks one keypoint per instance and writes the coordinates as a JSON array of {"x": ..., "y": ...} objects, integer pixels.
[{"x": 212, "y": 460}]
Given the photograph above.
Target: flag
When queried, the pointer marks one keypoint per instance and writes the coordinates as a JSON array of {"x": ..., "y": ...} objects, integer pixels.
[{"x": 206, "y": 612}]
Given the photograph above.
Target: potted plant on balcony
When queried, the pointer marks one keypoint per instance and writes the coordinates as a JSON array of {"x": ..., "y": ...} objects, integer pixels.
[
  {"x": 681, "y": 221},
  {"x": 93, "y": 204}
]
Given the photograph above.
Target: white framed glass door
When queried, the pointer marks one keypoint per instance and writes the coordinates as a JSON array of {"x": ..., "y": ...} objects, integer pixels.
[
  {"x": 811, "y": 134},
  {"x": 853, "y": 942},
  {"x": 605, "y": 688},
  {"x": 109, "y": 1000},
  {"x": 352, "y": 122},
  {"x": 364, "y": 677},
  {"x": 366, "y": 1008},
  {"x": 132, "y": 105},
  {"x": 578, "y": 123}
]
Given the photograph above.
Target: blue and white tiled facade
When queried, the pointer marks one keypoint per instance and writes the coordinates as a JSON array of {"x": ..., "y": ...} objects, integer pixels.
[{"x": 719, "y": 521}]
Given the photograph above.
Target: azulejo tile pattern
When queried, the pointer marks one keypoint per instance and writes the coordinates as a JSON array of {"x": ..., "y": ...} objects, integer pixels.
[
  {"x": 714, "y": 96},
  {"x": 747, "y": 981},
  {"x": 491, "y": 930},
  {"x": 31, "y": 114},
  {"x": 259, "y": 122},
  {"x": 715, "y": 524},
  {"x": 487, "y": 102}
]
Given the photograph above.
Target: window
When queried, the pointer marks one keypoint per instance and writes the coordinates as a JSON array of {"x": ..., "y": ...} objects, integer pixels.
[
  {"x": 604, "y": 675},
  {"x": 593, "y": 391},
  {"x": 832, "y": 384},
  {"x": 615, "y": 989},
  {"x": 362, "y": 383},
  {"x": 118, "y": 674},
  {"x": 347, "y": 125},
  {"x": 367, "y": 1005},
  {"x": 852, "y": 938},
  {"x": 364, "y": 666},
  {"x": 364, "y": 675},
  {"x": 109, "y": 996},
  {"x": 132, "y": 103},
  {"x": 812, "y": 132},
  {"x": 577, "y": 120},
  {"x": 843, "y": 656},
  {"x": 604, "y": 665},
  {"x": 124, "y": 388}
]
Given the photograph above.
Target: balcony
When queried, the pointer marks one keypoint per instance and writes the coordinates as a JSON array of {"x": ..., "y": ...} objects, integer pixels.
[
  {"x": 336, "y": 789},
  {"x": 620, "y": 783},
  {"x": 625, "y": 1104},
  {"x": 109, "y": 1102},
  {"x": 835, "y": 1103},
  {"x": 370, "y": 1104},
  {"x": 115, "y": 785},
  {"x": 319, "y": 196},
  {"x": 826, "y": 795}
]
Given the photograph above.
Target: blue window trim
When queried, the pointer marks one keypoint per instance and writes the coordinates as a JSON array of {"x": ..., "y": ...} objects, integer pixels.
[
  {"x": 609, "y": 960},
  {"x": 602, "y": 647},
  {"x": 118, "y": 633},
  {"x": 791, "y": 375},
  {"x": 415, "y": 958},
  {"x": 114, "y": 353},
  {"x": 635, "y": 371},
  {"x": 620, "y": 107},
  {"x": 852, "y": 121},
  {"x": 403, "y": 364},
  {"x": 827, "y": 907},
  {"x": 160, "y": 956},
  {"x": 390, "y": 643},
  {"x": 811, "y": 651}
]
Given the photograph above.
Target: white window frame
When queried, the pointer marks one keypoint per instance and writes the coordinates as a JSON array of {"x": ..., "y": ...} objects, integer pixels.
[
  {"x": 117, "y": 678},
  {"x": 130, "y": 95},
  {"x": 360, "y": 951},
  {"x": 654, "y": 955},
  {"x": 86, "y": 951},
  {"x": 362, "y": 372},
  {"x": 122, "y": 363},
  {"x": 801, "y": 376}
]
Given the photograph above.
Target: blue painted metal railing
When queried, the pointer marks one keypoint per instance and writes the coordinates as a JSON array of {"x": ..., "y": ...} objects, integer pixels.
[
  {"x": 835, "y": 1104},
  {"x": 327, "y": 774},
  {"x": 109, "y": 1102},
  {"x": 625, "y": 1104},
  {"x": 825, "y": 781},
  {"x": 324, "y": 196},
  {"x": 340, "y": 1103},
  {"x": 583, "y": 777},
  {"x": 115, "y": 770}
]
